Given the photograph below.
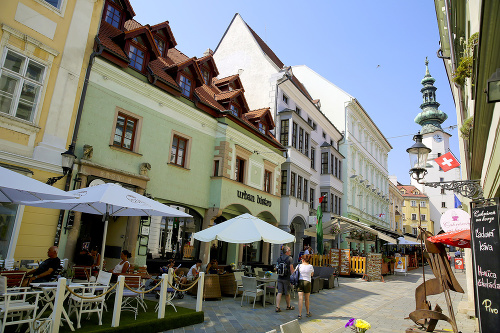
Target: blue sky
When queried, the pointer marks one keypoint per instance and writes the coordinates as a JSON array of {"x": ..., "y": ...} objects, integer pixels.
[{"x": 374, "y": 50}]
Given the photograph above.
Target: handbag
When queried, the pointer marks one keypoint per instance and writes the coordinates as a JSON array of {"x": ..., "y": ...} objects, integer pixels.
[{"x": 294, "y": 278}]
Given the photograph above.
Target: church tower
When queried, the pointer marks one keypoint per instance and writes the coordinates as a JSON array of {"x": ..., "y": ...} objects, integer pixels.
[{"x": 434, "y": 137}]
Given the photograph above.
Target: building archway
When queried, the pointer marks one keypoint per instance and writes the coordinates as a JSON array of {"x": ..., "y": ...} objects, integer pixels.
[{"x": 297, "y": 227}]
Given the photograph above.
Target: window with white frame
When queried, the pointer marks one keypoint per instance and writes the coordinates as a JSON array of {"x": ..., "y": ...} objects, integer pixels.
[
  {"x": 423, "y": 217},
  {"x": 413, "y": 203},
  {"x": 414, "y": 230},
  {"x": 21, "y": 82},
  {"x": 413, "y": 216},
  {"x": 422, "y": 203},
  {"x": 56, "y": 3}
]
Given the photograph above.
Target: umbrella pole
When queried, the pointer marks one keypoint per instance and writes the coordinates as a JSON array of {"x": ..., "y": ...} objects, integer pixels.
[{"x": 105, "y": 219}]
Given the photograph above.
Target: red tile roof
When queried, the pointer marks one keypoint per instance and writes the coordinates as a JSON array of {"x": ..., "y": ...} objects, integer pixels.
[
  {"x": 132, "y": 24},
  {"x": 226, "y": 95},
  {"x": 409, "y": 191},
  {"x": 106, "y": 33},
  {"x": 224, "y": 80},
  {"x": 157, "y": 66},
  {"x": 256, "y": 113}
]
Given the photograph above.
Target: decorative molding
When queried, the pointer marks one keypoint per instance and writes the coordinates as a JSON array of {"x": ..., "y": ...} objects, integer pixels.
[{"x": 29, "y": 162}]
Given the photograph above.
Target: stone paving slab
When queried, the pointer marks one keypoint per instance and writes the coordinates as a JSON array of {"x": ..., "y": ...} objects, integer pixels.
[{"x": 385, "y": 305}]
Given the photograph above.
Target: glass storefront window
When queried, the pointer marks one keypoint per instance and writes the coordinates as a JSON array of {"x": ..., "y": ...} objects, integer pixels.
[{"x": 8, "y": 213}]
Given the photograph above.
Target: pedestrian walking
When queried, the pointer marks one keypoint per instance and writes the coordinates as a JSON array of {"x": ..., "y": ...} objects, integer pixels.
[
  {"x": 306, "y": 271},
  {"x": 284, "y": 270}
]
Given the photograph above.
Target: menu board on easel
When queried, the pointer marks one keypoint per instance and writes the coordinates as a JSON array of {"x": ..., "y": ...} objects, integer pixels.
[
  {"x": 345, "y": 262},
  {"x": 334, "y": 257},
  {"x": 374, "y": 266},
  {"x": 485, "y": 243}
]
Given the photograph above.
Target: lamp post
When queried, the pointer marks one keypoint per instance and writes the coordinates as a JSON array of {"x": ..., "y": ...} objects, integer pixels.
[
  {"x": 68, "y": 159},
  {"x": 418, "y": 159}
]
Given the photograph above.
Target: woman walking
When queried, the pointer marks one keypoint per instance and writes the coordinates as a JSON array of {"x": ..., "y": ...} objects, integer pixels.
[{"x": 306, "y": 271}]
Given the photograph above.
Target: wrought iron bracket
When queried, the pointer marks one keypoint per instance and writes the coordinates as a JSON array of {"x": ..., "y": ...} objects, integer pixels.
[
  {"x": 468, "y": 188},
  {"x": 52, "y": 180}
]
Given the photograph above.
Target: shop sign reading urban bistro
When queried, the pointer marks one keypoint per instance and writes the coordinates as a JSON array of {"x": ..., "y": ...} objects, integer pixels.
[{"x": 260, "y": 200}]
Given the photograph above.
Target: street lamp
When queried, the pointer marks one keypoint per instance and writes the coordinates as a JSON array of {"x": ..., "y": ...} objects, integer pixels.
[
  {"x": 418, "y": 158},
  {"x": 68, "y": 159}
]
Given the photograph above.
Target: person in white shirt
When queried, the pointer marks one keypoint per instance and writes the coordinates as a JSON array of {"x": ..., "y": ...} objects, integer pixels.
[
  {"x": 194, "y": 271},
  {"x": 306, "y": 271}
]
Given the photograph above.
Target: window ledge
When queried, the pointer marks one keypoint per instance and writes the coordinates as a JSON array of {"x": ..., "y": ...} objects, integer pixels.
[
  {"x": 18, "y": 125},
  {"x": 123, "y": 150},
  {"x": 178, "y": 166}
]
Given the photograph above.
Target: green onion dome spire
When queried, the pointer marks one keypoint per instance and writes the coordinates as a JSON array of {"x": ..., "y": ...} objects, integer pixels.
[{"x": 430, "y": 118}]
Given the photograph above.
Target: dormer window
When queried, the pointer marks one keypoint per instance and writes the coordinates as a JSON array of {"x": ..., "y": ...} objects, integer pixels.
[
  {"x": 113, "y": 16},
  {"x": 230, "y": 87},
  {"x": 136, "y": 56},
  {"x": 185, "y": 84},
  {"x": 206, "y": 76},
  {"x": 160, "y": 43},
  {"x": 234, "y": 110},
  {"x": 262, "y": 128}
]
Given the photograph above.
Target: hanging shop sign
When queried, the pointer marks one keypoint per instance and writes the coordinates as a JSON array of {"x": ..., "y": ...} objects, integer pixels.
[
  {"x": 252, "y": 198},
  {"x": 485, "y": 244},
  {"x": 455, "y": 220}
]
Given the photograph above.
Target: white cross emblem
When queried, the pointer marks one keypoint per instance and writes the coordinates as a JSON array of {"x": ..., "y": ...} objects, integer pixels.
[{"x": 446, "y": 161}]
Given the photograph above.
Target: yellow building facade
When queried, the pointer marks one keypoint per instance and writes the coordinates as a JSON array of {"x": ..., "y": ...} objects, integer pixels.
[
  {"x": 45, "y": 47},
  {"x": 415, "y": 210}
]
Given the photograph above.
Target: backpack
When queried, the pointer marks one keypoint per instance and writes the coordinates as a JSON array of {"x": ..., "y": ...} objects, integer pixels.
[
  {"x": 294, "y": 278},
  {"x": 283, "y": 268}
]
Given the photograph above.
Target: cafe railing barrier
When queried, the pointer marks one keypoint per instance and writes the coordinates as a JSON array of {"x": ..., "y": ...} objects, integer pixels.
[{"x": 53, "y": 322}]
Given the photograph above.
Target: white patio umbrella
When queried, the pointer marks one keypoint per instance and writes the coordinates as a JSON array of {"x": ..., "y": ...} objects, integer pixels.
[
  {"x": 403, "y": 241},
  {"x": 15, "y": 188},
  {"x": 111, "y": 200},
  {"x": 245, "y": 229}
]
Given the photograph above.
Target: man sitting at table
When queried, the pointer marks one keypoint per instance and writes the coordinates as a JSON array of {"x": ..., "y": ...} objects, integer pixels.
[{"x": 47, "y": 270}]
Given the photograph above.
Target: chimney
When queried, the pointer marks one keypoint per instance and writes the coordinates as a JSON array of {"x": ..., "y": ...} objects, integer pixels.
[{"x": 208, "y": 52}]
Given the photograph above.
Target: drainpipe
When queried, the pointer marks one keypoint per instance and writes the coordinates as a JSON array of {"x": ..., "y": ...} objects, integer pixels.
[{"x": 75, "y": 134}]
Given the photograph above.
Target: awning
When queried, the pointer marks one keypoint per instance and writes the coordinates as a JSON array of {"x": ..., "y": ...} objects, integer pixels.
[
  {"x": 347, "y": 225},
  {"x": 411, "y": 238}
]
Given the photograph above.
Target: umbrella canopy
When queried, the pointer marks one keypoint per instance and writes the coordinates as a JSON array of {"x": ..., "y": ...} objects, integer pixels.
[
  {"x": 111, "y": 200},
  {"x": 454, "y": 238},
  {"x": 15, "y": 188},
  {"x": 245, "y": 229},
  {"x": 403, "y": 241}
]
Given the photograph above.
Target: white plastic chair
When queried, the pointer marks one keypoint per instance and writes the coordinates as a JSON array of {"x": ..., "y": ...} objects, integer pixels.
[
  {"x": 134, "y": 282},
  {"x": 291, "y": 327},
  {"x": 239, "y": 284},
  {"x": 15, "y": 309},
  {"x": 92, "y": 305},
  {"x": 251, "y": 289},
  {"x": 9, "y": 264}
]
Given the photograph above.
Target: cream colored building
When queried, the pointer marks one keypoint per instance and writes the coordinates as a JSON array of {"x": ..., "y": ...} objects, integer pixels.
[
  {"x": 396, "y": 203},
  {"x": 415, "y": 210},
  {"x": 45, "y": 46}
]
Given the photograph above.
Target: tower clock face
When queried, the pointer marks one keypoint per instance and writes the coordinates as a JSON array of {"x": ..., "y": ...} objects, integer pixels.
[{"x": 438, "y": 138}]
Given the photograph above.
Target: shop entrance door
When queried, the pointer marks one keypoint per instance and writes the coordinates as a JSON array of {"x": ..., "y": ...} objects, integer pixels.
[{"x": 91, "y": 231}]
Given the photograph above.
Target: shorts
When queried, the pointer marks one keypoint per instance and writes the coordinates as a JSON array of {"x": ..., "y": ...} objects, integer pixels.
[
  {"x": 283, "y": 286},
  {"x": 304, "y": 287}
]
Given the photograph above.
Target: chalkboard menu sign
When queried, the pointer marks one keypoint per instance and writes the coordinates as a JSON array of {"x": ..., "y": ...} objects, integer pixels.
[{"x": 486, "y": 251}]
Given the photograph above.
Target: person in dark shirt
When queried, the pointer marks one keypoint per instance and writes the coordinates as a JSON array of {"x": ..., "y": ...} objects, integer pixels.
[
  {"x": 46, "y": 270},
  {"x": 84, "y": 258}
]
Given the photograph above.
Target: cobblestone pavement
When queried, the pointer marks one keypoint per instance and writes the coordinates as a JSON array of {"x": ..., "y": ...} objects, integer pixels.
[{"x": 383, "y": 304}]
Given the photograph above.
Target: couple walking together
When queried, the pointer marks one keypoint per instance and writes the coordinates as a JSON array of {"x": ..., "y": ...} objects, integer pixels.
[{"x": 306, "y": 271}]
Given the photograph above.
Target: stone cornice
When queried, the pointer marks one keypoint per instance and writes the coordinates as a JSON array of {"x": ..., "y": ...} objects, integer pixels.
[{"x": 29, "y": 39}]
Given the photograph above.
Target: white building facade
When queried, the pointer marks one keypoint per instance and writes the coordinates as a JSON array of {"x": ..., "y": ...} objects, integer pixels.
[
  {"x": 314, "y": 164},
  {"x": 365, "y": 180}
]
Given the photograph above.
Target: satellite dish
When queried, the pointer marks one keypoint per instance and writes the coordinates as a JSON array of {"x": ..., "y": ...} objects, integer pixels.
[{"x": 96, "y": 182}]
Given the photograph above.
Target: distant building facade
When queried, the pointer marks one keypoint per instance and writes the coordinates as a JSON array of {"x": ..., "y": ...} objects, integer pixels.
[
  {"x": 314, "y": 165},
  {"x": 365, "y": 180},
  {"x": 416, "y": 210}
]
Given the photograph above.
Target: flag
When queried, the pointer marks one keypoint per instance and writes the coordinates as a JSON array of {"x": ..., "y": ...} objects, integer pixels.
[
  {"x": 319, "y": 227},
  {"x": 447, "y": 161},
  {"x": 381, "y": 215},
  {"x": 458, "y": 204}
]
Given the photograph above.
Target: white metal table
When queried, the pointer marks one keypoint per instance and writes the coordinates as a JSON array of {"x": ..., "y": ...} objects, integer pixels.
[
  {"x": 49, "y": 293},
  {"x": 268, "y": 283}
]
